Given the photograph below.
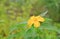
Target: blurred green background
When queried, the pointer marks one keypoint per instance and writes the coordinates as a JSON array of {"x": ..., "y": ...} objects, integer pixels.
[{"x": 17, "y": 11}]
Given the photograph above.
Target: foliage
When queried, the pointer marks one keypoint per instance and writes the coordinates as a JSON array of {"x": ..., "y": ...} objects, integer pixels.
[
  {"x": 21, "y": 31},
  {"x": 14, "y": 13}
]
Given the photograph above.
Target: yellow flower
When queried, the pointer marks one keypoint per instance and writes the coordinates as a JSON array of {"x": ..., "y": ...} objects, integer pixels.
[{"x": 35, "y": 20}]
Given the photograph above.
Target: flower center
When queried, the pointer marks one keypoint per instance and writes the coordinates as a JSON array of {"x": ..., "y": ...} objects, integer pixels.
[{"x": 35, "y": 19}]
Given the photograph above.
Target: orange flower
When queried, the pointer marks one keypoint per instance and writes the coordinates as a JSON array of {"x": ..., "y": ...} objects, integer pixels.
[{"x": 35, "y": 20}]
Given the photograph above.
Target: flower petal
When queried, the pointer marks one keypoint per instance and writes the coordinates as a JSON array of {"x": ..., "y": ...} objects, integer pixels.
[
  {"x": 41, "y": 19},
  {"x": 30, "y": 22},
  {"x": 36, "y": 24},
  {"x": 32, "y": 17}
]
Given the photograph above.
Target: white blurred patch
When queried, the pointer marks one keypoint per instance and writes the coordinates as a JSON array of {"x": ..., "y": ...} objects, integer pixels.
[{"x": 44, "y": 13}]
